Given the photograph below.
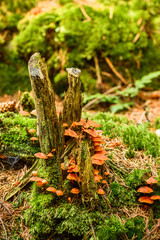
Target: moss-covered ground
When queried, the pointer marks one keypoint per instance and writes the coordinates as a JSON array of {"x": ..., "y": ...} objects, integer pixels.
[{"x": 134, "y": 156}]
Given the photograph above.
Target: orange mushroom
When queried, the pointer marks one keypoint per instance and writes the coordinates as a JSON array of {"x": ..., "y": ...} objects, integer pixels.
[
  {"x": 151, "y": 180},
  {"x": 98, "y": 149},
  {"x": 24, "y": 113},
  {"x": 155, "y": 197},
  {"x": 100, "y": 191},
  {"x": 97, "y": 161},
  {"x": 70, "y": 133},
  {"x": 99, "y": 156},
  {"x": 41, "y": 155},
  {"x": 146, "y": 199},
  {"x": 34, "y": 139},
  {"x": 96, "y": 171},
  {"x": 50, "y": 155},
  {"x": 59, "y": 192},
  {"x": 145, "y": 189},
  {"x": 72, "y": 176},
  {"x": 97, "y": 178},
  {"x": 34, "y": 113},
  {"x": 106, "y": 173},
  {"x": 39, "y": 184},
  {"x": 97, "y": 139},
  {"x": 44, "y": 182},
  {"x": 65, "y": 125},
  {"x": 32, "y": 131},
  {"x": 91, "y": 132},
  {"x": 34, "y": 173},
  {"x": 36, "y": 179},
  {"x": 51, "y": 189},
  {"x": 75, "y": 190},
  {"x": 104, "y": 181}
]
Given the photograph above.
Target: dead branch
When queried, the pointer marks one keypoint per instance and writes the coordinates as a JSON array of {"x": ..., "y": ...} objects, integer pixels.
[
  {"x": 99, "y": 78},
  {"x": 84, "y": 13},
  {"x": 115, "y": 71}
]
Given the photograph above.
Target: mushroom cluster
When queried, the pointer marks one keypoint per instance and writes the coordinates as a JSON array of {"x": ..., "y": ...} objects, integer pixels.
[
  {"x": 86, "y": 129},
  {"x": 147, "y": 190}
]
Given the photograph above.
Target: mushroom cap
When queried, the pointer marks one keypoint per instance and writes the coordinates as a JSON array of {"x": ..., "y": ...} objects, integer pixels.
[
  {"x": 34, "y": 173},
  {"x": 98, "y": 149},
  {"x": 106, "y": 173},
  {"x": 24, "y": 113},
  {"x": 151, "y": 180},
  {"x": 102, "y": 152},
  {"x": 75, "y": 190},
  {"x": 96, "y": 171},
  {"x": 51, "y": 189},
  {"x": 34, "y": 138},
  {"x": 73, "y": 168},
  {"x": 91, "y": 132},
  {"x": 99, "y": 156},
  {"x": 50, "y": 155},
  {"x": 44, "y": 182},
  {"x": 39, "y": 184},
  {"x": 155, "y": 197},
  {"x": 100, "y": 191},
  {"x": 103, "y": 181},
  {"x": 41, "y": 155},
  {"x": 65, "y": 125},
  {"x": 59, "y": 192},
  {"x": 72, "y": 176},
  {"x": 36, "y": 179},
  {"x": 97, "y": 178},
  {"x": 145, "y": 189},
  {"x": 97, "y": 139},
  {"x": 34, "y": 112},
  {"x": 31, "y": 130},
  {"x": 146, "y": 199},
  {"x": 70, "y": 133},
  {"x": 97, "y": 161}
]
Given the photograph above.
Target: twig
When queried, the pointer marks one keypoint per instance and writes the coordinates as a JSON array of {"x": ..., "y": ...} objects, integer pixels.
[
  {"x": 111, "y": 10},
  {"x": 99, "y": 78},
  {"x": 92, "y": 228},
  {"x": 4, "y": 228},
  {"x": 86, "y": 235},
  {"x": 97, "y": 99},
  {"x": 84, "y": 13},
  {"x": 107, "y": 201},
  {"x": 115, "y": 71},
  {"x": 153, "y": 229},
  {"x": 5, "y": 207}
]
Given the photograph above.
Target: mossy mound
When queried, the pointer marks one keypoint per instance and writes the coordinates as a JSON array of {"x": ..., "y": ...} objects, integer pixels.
[
  {"x": 71, "y": 35},
  {"x": 13, "y": 135}
]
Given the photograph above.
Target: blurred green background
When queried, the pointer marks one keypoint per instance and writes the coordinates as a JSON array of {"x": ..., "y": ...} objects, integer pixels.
[{"x": 72, "y": 34}]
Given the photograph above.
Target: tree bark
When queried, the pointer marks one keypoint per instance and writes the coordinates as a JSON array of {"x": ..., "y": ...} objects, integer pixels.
[{"x": 43, "y": 94}]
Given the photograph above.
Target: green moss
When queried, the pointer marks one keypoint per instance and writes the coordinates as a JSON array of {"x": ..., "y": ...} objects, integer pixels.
[
  {"x": 157, "y": 123},
  {"x": 137, "y": 178},
  {"x": 121, "y": 195},
  {"x": 113, "y": 229},
  {"x": 13, "y": 135},
  {"x": 135, "y": 137},
  {"x": 27, "y": 102},
  {"x": 135, "y": 227}
]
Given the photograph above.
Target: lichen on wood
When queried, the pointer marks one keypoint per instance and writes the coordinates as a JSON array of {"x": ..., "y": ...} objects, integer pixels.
[
  {"x": 43, "y": 94},
  {"x": 72, "y": 106}
]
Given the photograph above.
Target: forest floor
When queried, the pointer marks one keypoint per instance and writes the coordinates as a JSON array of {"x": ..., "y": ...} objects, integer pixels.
[{"x": 11, "y": 217}]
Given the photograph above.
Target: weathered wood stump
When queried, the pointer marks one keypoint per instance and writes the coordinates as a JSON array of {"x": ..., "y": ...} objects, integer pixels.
[{"x": 51, "y": 131}]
